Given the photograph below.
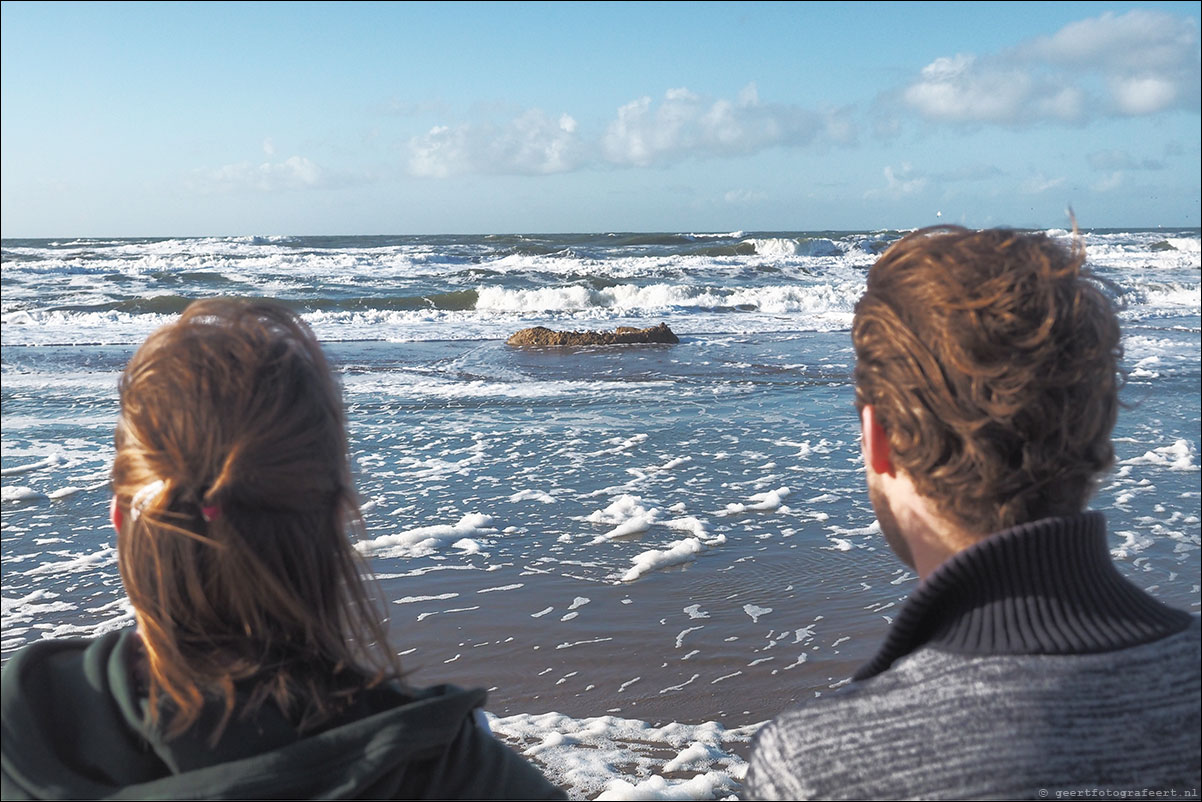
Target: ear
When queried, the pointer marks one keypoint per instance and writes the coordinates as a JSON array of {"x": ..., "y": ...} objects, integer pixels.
[
  {"x": 878, "y": 455},
  {"x": 115, "y": 514}
]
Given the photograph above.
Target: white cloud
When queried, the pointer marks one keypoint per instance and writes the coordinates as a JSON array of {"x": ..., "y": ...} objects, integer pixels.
[
  {"x": 1143, "y": 95},
  {"x": 898, "y": 183},
  {"x": 948, "y": 69},
  {"x": 1109, "y": 183},
  {"x": 642, "y": 132},
  {"x": 685, "y": 124},
  {"x": 1138, "y": 63},
  {"x": 440, "y": 152},
  {"x": 268, "y": 147},
  {"x": 1141, "y": 39},
  {"x": 532, "y": 143},
  {"x": 297, "y": 172},
  {"x": 971, "y": 94}
]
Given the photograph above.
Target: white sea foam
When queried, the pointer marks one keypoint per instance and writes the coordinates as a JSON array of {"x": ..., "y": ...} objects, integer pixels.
[
  {"x": 38, "y": 328},
  {"x": 1190, "y": 245},
  {"x": 611, "y": 755},
  {"x": 670, "y": 464},
  {"x": 467, "y": 545},
  {"x": 637, "y": 524},
  {"x": 620, "y": 444},
  {"x": 677, "y": 552},
  {"x": 821, "y": 277},
  {"x": 1180, "y": 456},
  {"x": 513, "y": 586},
  {"x": 421, "y": 386},
  {"x": 776, "y": 248},
  {"x": 48, "y": 462},
  {"x": 658, "y": 299},
  {"x": 711, "y": 785},
  {"x": 532, "y": 495},
  {"x": 689, "y": 524},
  {"x": 76, "y": 564},
  {"x": 727, "y": 235},
  {"x": 19, "y": 493},
  {"x": 427, "y": 539},
  {"x": 415, "y": 599},
  {"x": 1133, "y": 543},
  {"x": 769, "y": 500},
  {"x": 55, "y": 326},
  {"x": 32, "y": 607},
  {"x": 755, "y": 611},
  {"x": 629, "y": 515}
]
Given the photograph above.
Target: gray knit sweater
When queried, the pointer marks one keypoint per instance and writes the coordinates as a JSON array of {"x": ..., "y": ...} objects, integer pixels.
[{"x": 1025, "y": 667}]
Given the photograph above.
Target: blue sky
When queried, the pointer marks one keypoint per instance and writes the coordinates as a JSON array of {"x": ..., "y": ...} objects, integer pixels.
[{"x": 153, "y": 119}]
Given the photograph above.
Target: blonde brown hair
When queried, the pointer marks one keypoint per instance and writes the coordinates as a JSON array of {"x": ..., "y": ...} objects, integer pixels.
[
  {"x": 991, "y": 358},
  {"x": 232, "y": 473}
]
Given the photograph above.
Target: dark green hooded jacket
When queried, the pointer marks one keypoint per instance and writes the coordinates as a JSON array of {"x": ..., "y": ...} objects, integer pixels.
[{"x": 74, "y": 727}]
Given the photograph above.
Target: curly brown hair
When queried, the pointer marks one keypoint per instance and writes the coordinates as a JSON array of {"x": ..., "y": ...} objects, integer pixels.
[
  {"x": 991, "y": 358},
  {"x": 233, "y": 478}
]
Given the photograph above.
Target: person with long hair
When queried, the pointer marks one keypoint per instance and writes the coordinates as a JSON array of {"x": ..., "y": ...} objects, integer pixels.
[{"x": 260, "y": 665}]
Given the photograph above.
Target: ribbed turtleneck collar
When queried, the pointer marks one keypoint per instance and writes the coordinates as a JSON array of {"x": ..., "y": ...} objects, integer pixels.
[{"x": 1047, "y": 587}]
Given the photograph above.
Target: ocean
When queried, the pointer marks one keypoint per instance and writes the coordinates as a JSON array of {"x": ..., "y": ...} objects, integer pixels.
[{"x": 643, "y": 552}]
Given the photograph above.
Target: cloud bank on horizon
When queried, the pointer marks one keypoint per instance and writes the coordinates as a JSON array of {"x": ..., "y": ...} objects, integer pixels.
[{"x": 1097, "y": 83}]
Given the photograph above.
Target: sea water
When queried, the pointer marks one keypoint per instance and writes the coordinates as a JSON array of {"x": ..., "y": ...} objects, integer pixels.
[{"x": 643, "y": 552}]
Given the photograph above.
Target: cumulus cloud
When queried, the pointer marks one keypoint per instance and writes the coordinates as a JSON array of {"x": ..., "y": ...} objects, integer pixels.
[
  {"x": 965, "y": 89},
  {"x": 1143, "y": 94},
  {"x": 1140, "y": 40},
  {"x": 532, "y": 143},
  {"x": 684, "y": 124},
  {"x": 899, "y": 183},
  {"x": 642, "y": 133},
  {"x": 295, "y": 173},
  {"x": 1138, "y": 63}
]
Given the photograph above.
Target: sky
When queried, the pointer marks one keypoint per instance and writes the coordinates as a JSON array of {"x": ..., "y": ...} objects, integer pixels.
[{"x": 207, "y": 119}]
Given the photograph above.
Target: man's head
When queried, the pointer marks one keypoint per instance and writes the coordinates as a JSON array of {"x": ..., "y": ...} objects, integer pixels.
[{"x": 990, "y": 359}]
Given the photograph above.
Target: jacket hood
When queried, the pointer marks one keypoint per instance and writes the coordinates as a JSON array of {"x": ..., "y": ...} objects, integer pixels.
[{"x": 74, "y": 726}]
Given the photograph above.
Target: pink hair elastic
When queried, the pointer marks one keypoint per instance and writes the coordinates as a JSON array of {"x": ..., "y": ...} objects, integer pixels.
[{"x": 210, "y": 513}]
